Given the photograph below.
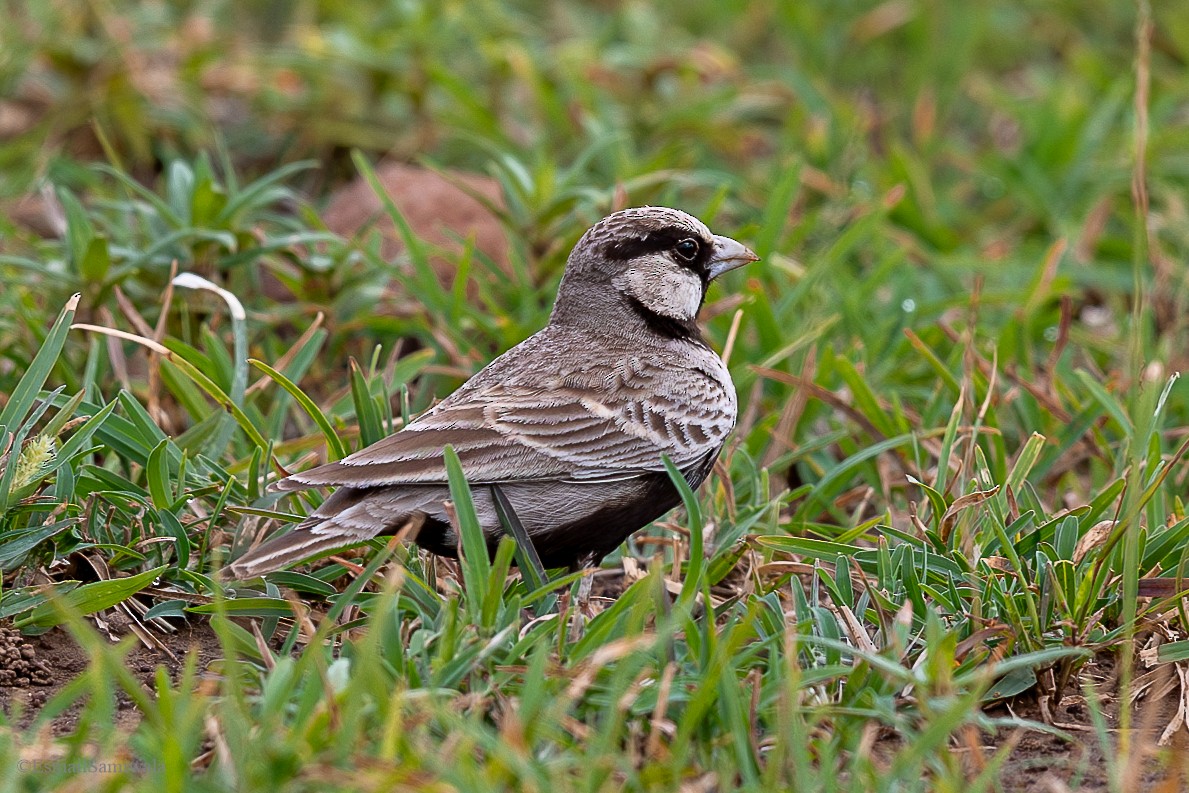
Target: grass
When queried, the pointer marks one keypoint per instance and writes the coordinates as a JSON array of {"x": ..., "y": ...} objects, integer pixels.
[{"x": 958, "y": 476}]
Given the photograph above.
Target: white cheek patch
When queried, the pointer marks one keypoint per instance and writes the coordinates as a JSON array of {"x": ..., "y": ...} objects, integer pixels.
[{"x": 671, "y": 291}]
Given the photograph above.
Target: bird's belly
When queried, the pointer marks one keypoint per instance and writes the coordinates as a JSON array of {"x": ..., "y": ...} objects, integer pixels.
[{"x": 567, "y": 521}]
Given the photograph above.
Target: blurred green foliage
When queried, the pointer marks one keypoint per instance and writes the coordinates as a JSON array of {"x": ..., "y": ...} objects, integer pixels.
[{"x": 961, "y": 431}]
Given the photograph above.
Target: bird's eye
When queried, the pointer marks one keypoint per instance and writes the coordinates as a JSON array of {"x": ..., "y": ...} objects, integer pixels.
[{"x": 687, "y": 249}]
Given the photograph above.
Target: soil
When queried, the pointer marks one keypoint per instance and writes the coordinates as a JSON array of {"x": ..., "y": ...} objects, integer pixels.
[
  {"x": 47, "y": 662},
  {"x": 1048, "y": 763},
  {"x": 36, "y": 667}
]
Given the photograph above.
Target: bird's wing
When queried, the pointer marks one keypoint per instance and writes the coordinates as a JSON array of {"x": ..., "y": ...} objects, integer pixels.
[
  {"x": 508, "y": 433},
  {"x": 623, "y": 435}
]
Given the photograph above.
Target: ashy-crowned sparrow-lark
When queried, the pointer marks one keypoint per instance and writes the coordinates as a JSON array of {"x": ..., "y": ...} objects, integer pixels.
[{"x": 571, "y": 424}]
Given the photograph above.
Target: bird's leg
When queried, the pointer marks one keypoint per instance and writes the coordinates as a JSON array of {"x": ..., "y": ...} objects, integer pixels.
[
  {"x": 586, "y": 563},
  {"x": 582, "y": 610}
]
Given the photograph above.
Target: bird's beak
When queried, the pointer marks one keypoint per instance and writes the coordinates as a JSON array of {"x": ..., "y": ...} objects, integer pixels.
[{"x": 729, "y": 254}]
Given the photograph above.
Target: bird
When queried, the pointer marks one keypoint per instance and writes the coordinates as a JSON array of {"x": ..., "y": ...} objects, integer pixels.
[{"x": 573, "y": 424}]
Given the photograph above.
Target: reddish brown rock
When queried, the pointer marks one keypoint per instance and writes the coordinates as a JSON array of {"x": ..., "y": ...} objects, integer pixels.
[{"x": 437, "y": 208}]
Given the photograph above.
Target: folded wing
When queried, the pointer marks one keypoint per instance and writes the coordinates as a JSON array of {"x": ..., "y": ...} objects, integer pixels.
[{"x": 518, "y": 433}]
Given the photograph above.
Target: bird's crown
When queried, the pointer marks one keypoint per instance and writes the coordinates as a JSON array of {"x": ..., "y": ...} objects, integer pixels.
[{"x": 622, "y": 233}]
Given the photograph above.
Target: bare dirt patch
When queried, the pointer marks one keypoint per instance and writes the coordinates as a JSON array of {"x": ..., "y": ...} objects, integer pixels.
[
  {"x": 48, "y": 662},
  {"x": 1052, "y": 764}
]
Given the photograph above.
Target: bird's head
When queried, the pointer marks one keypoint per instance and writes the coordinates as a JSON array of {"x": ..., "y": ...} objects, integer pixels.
[{"x": 656, "y": 261}]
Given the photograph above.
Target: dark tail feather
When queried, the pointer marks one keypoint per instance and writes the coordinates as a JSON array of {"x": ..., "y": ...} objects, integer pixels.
[
  {"x": 285, "y": 550},
  {"x": 338, "y": 523}
]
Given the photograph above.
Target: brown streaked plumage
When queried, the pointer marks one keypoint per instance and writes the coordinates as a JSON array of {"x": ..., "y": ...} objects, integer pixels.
[{"x": 571, "y": 423}]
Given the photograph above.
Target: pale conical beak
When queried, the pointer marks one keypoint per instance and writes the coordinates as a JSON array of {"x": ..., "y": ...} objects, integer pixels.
[{"x": 728, "y": 254}]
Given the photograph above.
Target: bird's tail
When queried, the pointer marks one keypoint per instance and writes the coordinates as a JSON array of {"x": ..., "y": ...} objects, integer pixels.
[
  {"x": 347, "y": 517},
  {"x": 285, "y": 550}
]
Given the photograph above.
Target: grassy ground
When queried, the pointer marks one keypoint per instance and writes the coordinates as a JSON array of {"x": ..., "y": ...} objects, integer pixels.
[{"x": 944, "y": 550}]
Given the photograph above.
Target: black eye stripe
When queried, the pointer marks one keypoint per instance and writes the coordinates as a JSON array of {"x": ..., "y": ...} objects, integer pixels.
[{"x": 660, "y": 240}]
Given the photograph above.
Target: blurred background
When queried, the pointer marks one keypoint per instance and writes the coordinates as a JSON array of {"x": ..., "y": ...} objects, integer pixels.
[
  {"x": 961, "y": 433},
  {"x": 936, "y": 188}
]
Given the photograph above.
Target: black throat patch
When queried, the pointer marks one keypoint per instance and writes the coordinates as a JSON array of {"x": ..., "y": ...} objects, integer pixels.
[{"x": 686, "y": 329}]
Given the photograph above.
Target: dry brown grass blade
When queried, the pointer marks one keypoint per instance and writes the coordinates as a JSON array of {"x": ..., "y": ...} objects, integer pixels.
[
  {"x": 963, "y": 503},
  {"x": 289, "y": 354},
  {"x": 855, "y": 630},
  {"x": 729, "y": 346},
  {"x": 270, "y": 662},
  {"x": 791, "y": 414},
  {"x": 607, "y": 654},
  {"x": 115, "y": 353},
  {"x": 658, "y": 720}
]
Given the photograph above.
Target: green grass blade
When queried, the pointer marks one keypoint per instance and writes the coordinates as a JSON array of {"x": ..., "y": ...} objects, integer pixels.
[
  {"x": 88, "y": 598},
  {"x": 26, "y": 390},
  {"x": 476, "y": 562},
  {"x": 337, "y": 449}
]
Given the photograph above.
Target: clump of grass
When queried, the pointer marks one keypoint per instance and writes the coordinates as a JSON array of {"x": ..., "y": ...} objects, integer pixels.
[{"x": 960, "y": 460}]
